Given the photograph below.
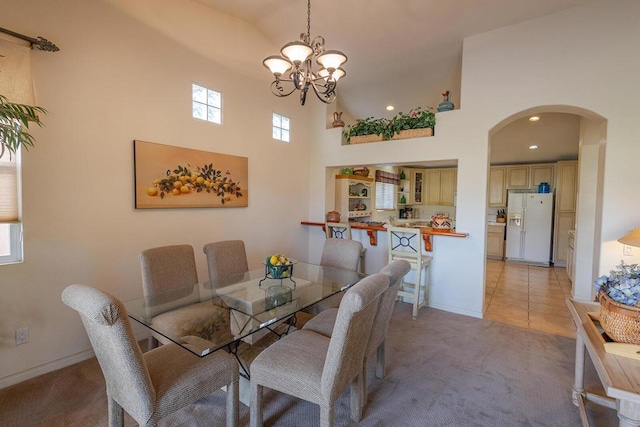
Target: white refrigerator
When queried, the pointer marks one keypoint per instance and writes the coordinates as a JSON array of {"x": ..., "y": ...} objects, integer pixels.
[{"x": 529, "y": 226}]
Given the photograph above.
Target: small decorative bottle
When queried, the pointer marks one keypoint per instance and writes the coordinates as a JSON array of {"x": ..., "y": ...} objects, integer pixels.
[
  {"x": 403, "y": 200},
  {"x": 402, "y": 175},
  {"x": 446, "y": 104}
]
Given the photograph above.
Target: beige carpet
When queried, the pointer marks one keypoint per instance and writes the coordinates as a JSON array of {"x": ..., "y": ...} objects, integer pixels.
[{"x": 442, "y": 370}]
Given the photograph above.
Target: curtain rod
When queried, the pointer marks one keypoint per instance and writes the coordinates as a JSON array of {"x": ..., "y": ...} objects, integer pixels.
[{"x": 39, "y": 43}]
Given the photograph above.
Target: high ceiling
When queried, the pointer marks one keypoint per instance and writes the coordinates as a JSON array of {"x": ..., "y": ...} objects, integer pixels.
[{"x": 403, "y": 53}]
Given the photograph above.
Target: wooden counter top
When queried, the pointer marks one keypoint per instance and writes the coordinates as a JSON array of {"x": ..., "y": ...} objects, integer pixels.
[{"x": 372, "y": 232}]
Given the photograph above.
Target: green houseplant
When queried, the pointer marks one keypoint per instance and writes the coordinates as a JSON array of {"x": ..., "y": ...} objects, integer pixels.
[
  {"x": 14, "y": 125},
  {"x": 417, "y": 118}
]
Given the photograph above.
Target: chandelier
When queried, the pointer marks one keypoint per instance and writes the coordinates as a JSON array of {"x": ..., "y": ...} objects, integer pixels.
[{"x": 294, "y": 69}]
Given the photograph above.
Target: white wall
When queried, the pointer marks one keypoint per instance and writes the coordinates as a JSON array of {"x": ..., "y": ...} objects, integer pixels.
[{"x": 113, "y": 81}]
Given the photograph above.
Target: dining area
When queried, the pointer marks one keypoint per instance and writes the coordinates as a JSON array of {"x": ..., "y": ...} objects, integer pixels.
[{"x": 307, "y": 330}]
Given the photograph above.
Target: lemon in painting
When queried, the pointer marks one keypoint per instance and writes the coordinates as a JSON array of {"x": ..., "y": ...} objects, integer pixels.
[
  {"x": 152, "y": 191},
  {"x": 175, "y": 192},
  {"x": 200, "y": 180},
  {"x": 183, "y": 179},
  {"x": 185, "y": 189},
  {"x": 177, "y": 185}
]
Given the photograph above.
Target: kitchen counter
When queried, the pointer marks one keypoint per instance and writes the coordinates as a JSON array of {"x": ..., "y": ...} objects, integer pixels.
[
  {"x": 372, "y": 231},
  {"x": 500, "y": 224}
]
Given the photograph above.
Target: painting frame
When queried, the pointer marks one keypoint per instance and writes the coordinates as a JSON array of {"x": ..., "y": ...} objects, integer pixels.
[{"x": 169, "y": 177}]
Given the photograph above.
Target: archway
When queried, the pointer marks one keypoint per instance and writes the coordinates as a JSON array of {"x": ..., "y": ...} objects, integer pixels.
[{"x": 588, "y": 216}]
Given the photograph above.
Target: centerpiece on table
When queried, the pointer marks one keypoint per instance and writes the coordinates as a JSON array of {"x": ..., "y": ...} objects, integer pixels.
[
  {"x": 278, "y": 266},
  {"x": 619, "y": 295}
]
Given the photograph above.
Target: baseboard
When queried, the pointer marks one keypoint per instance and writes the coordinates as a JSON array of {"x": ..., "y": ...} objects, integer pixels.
[
  {"x": 46, "y": 368},
  {"x": 456, "y": 310}
]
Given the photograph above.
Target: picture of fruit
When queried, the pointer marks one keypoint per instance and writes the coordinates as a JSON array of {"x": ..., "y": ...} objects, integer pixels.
[{"x": 185, "y": 180}]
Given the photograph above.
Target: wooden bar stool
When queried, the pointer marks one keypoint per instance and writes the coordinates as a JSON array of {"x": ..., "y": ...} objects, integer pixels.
[{"x": 405, "y": 243}]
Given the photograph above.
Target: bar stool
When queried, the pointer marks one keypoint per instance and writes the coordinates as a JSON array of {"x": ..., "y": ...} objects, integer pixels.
[
  {"x": 342, "y": 230},
  {"x": 405, "y": 243}
]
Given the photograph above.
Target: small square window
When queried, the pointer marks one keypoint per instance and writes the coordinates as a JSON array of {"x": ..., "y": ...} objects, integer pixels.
[
  {"x": 206, "y": 104},
  {"x": 280, "y": 127}
]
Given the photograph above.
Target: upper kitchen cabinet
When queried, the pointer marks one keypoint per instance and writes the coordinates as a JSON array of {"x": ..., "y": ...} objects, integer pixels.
[
  {"x": 417, "y": 186},
  {"x": 497, "y": 187},
  {"x": 542, "y": 173},
  {"x": 441, "y": 186},
  {"x": 567, "y": 186},
  {"x": 518, "y": 177}
]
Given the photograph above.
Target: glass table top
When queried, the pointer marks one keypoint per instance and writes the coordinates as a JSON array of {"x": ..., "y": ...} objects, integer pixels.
[{"x": 208, "y": 316}]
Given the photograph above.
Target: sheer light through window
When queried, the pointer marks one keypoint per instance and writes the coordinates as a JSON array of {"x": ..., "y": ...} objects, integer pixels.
[
  {"x": 207, "y": 104},
  {"x": 280, "y": 127}
]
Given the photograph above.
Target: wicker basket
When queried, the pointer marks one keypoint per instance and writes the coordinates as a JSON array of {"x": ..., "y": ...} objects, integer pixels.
[
  {"x": 621, "y": 322},
  {"x": 413, "y": 133},
  {"x": 363, "y": 139}
]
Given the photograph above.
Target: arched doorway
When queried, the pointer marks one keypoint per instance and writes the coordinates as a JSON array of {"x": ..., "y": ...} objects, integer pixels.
[{"x": 591, "y": 144}]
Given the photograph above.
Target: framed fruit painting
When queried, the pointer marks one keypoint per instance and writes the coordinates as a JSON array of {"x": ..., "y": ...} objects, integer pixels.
[{"x": 175, "y": 177}]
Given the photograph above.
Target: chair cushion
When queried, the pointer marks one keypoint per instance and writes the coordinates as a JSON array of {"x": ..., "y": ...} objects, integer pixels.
[
  {"x": 323, "y": 323},
  {"x": 293, "y": 365}
]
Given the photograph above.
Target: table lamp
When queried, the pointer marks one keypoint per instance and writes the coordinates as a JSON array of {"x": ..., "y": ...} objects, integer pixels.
[{"x": 631, "y": 239}]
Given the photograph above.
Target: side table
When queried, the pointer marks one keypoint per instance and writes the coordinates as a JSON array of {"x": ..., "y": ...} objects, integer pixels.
[{"x": 620, "y": 376}]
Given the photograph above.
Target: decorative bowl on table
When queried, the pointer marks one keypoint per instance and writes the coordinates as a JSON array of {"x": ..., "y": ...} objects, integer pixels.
[{"x": 278, "y": 266}]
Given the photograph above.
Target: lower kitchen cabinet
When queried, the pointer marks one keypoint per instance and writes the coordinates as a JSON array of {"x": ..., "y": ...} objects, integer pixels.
[
  {"x": 495, "y": 241},
  {"x": 564, "y": 223}
]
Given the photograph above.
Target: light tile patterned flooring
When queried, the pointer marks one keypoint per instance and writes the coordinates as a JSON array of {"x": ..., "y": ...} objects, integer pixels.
[{"x": 528, "y": 296}]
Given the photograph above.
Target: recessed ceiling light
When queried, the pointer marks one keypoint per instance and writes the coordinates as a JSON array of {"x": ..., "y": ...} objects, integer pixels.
[
  {"x": 390, "y": 108},
  {"x": 534, "y": 118},
  {"x": 533, "y": 147}
]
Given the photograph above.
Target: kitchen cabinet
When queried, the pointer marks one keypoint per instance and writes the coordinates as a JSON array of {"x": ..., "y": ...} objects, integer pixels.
[
  {"x": 566, "y": 186},
  {"x": 441, "y": 186},
  {"x": 564, "y": 222},
  {"x": 542, "y": 173},
  {"x": 495, "y": 241},
  {"x": 518, "y": 177},
  {"x": 353, "y": 197},
  {"x": 417, "y": 186},
  {"x": 404, "y": 190},
  {"x": 570, "y": 254},
  {"x": 497, "y": 187}
]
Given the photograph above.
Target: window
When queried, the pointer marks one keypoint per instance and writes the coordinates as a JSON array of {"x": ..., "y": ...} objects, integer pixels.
[
  {"x": 280, "y": 127},
  {"x": 386, "y": 190},
  {"x": 207, "y": 104},
  {"x": 10, "y": 227}
]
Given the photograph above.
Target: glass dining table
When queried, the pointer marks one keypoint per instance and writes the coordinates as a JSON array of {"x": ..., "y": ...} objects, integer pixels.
[{"x": 243, "y": 308}]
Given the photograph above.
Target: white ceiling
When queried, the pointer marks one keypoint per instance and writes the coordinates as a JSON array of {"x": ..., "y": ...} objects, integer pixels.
[{"x": 406, "y": 53}]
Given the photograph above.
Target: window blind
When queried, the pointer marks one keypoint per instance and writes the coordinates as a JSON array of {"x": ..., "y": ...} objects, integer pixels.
[
  {"x": 8, "y": 189},
  {"x": 386, "y": 190}
]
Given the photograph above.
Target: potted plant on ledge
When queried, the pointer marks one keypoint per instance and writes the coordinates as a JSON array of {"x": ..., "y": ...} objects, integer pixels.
[{"x": 419, "y": 122}]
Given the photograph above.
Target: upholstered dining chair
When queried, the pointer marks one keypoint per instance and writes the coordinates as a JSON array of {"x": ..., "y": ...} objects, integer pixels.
[
  {"x": 324, "y": 322},
  {"x": 152, "y": 385},
  {"x": 316, "y": 368},
  {"x": 225, "y": 258},
  {"x": 338, "y": 253},
  {"x": 406, "y": 243},
  {"x": 173, "y": 269},
  {"x": 342, "y": 230}
]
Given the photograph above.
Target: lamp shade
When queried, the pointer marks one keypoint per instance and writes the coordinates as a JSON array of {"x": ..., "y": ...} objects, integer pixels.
[
  {"x": 631, "y": 239},
  {"x": 339, "y": 72},
  {"x": 296, "y": 52},
  {"x": 332, "y": 59},
  {"x": 277, "y": 65}
]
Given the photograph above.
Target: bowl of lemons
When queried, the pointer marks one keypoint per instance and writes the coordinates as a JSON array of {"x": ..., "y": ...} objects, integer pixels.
[{"x": 279, "y": 266}]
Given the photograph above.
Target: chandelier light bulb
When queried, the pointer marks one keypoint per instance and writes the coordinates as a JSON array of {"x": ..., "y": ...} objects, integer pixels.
[
  {"x": 277, "y": 65},
  {"x": 296, "y": 52},
  {"x": 332, "y": 59}
]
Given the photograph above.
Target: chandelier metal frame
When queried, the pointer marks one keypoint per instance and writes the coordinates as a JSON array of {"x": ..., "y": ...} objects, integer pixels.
[{"x": 297, "y": 59}]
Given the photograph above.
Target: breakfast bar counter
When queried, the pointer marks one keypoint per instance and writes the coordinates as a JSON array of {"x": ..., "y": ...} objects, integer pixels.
[{"x": 372, "y": 231}]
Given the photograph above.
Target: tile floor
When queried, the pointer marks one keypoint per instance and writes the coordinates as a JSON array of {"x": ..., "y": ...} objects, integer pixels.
[{"x": 528, "y": 296}]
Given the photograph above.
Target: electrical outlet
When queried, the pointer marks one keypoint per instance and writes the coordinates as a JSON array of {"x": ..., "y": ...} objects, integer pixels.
[
  {"x": 22, "y": 336},
  {"x": 627, "y": 250}
]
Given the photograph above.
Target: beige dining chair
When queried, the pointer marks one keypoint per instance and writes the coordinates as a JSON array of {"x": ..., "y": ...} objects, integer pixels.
[
  {"x": 316, "y": 368},
  {"x": 338, "y": 253},
  {"x": 172, "y": 270},
  {"x": 342, "y": 230},
  {"x": 225, "y": 258},
  {"x": 324, "y": 322},
  {"x": 152, "y": 385},
  {"x": 406, "y": 243}
]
